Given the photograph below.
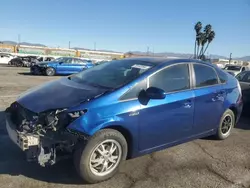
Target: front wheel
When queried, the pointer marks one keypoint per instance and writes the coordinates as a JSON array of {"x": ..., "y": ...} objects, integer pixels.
[
  {"x": 227, "y": 124},
  {"x": 50, "y": 71},
  {"x": 100, "y": 158}
]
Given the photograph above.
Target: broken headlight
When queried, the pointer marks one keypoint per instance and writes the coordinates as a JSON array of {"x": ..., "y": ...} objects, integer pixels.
[{"x": 76, "y": 114}]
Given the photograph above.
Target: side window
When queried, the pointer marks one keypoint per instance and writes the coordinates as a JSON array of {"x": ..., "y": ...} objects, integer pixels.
[
  {"x": 173, "y": 78},
  {"x": 134, "y": 91},
  {"x": 68, "y": 60},
  {"x": 205, "y": 76},
  {"x": 222, "y": 76}
]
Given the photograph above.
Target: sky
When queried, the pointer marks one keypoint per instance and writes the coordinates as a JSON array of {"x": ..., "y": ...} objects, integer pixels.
[{"x": 128, "y": 25}]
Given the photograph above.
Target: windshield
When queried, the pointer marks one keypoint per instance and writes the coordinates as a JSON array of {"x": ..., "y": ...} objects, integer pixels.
[
  {"x": 233, "y": 68},
  {"x": 113, "y": 74}
]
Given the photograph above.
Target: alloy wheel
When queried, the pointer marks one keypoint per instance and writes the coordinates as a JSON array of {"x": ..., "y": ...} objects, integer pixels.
[
  {"x": 227, "y": 124},
  {"x": 105, "y": 157}
]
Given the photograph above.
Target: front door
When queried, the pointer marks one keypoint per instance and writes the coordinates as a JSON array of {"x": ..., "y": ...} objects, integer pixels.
[{"x": 168, "y": 120}]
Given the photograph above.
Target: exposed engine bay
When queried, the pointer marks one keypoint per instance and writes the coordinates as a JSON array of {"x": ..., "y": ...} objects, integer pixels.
[{"x": 43, "y": 136}]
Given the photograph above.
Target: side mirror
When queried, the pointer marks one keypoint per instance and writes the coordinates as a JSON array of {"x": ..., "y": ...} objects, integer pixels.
[
  {"x": 60, "y": 63},
  {"x": 155, "y": 93}
]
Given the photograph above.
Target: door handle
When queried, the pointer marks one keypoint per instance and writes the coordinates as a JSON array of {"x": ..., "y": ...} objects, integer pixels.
[{"x": 187, "y": 104}]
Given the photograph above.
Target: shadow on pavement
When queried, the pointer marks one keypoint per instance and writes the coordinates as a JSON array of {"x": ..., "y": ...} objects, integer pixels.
[
  {"x": 29, "y": 74},
  {"x": 13, "y": 162},
  {"x": 26, "y": 73}
]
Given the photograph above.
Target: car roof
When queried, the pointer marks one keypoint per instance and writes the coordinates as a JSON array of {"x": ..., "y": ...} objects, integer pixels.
[{"x": 161, "y": 60}]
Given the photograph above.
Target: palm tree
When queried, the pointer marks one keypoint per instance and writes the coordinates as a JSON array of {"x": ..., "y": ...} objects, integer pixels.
[
  {"x": 197, "y": 28},
  {"x": 210, "y": 38},
  {"x": 205, "y": 36},
  {"x": 203, "y": 42}
]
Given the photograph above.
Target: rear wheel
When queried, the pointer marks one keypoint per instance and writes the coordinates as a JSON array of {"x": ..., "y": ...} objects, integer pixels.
[
  {"x": 50, "y": 71},
  {"x": 99, "y": 160},
  {"x": 227, "y": 124}
]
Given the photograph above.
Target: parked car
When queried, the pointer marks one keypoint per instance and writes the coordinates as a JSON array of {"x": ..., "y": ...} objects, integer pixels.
[
  {"x": 235, "y": 69},
  {"x": 41, "y": 59},
  {"x": 5, "y": 58},
  {"x": 63, "y": 65},
  {"x": 244, "y": 79},
  {"x": 123, "y": 109},
  {"x": 101, "y": 62},
  {"x": 23, "y": 61}
]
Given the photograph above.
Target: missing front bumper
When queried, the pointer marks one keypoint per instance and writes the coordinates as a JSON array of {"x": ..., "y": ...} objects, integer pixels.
[
  {"x": 45, "y": 150},
  {"x": 24, "y": 142}
]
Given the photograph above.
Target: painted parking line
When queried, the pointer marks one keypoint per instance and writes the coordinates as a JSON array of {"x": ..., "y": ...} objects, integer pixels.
[{"x": 8, "y": 96}]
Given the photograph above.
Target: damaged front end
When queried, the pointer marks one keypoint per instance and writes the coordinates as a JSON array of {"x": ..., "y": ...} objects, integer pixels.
[{"x": 43, "y": 136}]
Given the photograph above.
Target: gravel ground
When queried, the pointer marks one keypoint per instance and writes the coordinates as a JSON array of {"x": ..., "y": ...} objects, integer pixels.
[{"x": 201, "y": 163}]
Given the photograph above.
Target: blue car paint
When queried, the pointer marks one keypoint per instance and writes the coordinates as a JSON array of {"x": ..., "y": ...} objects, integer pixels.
[
  {"x": 180, "y": 117},
  {"x": 67, "y": 68}
]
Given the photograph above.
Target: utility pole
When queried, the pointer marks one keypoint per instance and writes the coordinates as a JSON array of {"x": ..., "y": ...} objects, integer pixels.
[
  {"x": 230, "y": 58},
  {"x": 69, "y": 44},
  {"x": 147, "y": 50},
  {"x": 94, "y": 45}
]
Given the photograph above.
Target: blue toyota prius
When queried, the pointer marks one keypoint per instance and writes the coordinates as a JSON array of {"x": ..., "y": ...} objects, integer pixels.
[
  {"x": 62, "y": 65},
  {"x": 123, "y": 109}
]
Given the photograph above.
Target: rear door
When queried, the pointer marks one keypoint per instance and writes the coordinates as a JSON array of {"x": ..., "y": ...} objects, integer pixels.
[
  {"x": 78, "y": 65},
  {"x": 209, "y": 98},
  {"x": 65, "y": 66}
]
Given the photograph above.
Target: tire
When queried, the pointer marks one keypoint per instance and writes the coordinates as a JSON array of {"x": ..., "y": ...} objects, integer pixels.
[
  {"x": 225, "y": 130},
  {"x": 50, "y": 71},
  {"x": 19, "y": 64},
  {"x": 84, "y": 154}
]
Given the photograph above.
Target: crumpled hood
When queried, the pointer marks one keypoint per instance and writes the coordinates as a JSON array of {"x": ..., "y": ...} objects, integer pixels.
[{"x": 62, "y": 93}]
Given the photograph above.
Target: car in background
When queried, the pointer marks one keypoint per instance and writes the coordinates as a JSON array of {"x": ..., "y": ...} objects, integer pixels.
[
  {"x": 121, "y": 110},
  {"x": 41, "y": 59},
  {"x": 244, "y": 79},
  {"x": 100, "y": 62},
  {"x": 45, "y": 58},
  {"x": 23, "y": 61},
  {"x": 5, "y": 58},
  {"x": 63, "y": 65},
  {"x": 235, "y": 69}
]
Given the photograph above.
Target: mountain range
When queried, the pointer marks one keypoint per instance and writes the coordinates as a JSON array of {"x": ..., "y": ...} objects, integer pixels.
[{"x": 181, "y": 55}]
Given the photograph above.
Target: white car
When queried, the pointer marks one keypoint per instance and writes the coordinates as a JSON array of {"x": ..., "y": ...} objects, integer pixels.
[
  {"x": 5, "y": 58},
  {"x": 235, "y": 69}
]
